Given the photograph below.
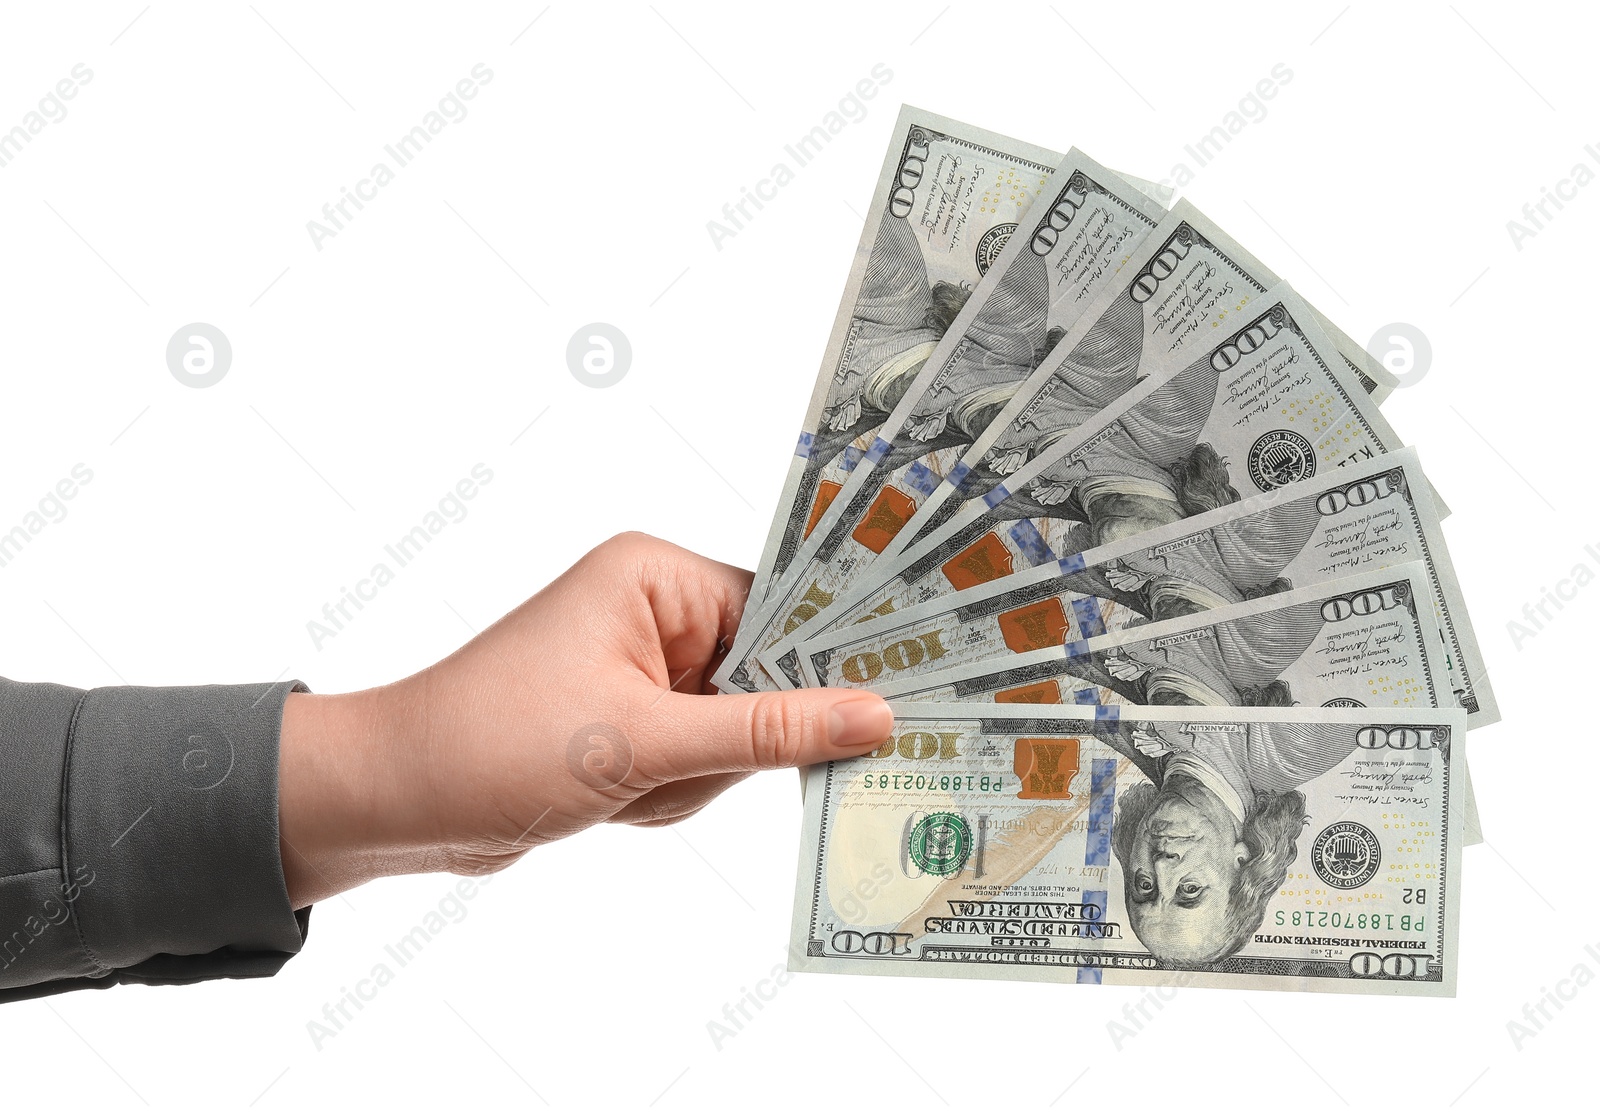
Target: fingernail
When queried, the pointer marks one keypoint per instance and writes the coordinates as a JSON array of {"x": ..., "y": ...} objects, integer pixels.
[{"x": 856, "y": 723}]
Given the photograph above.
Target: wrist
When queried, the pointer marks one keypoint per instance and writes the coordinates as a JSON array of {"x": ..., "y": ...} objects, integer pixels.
[{"x": 345, "y": 808}]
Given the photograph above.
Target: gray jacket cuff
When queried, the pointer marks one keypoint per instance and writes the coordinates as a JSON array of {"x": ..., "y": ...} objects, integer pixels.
[{"x": 167, "y": 860}]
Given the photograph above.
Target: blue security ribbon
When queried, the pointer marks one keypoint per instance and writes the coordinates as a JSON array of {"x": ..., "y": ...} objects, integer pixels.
[
  {"x": 1087, "y": 612},
  {"x": 920, "y": 479},
  {"x": 1097, "y": 841},
  {"x": 996, "y": 496}
]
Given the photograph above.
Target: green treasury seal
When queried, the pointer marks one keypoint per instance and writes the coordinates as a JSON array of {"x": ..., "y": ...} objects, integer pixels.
[{"x": 941, "y": 843}]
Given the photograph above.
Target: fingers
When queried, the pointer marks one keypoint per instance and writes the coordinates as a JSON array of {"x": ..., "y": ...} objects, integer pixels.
[
  {"x": 696, "y": 601},
  {"x": 672, "y": 610},
  {"x": 691, "y": 736}
]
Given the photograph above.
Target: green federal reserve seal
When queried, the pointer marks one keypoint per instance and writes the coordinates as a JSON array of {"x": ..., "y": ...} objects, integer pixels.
[{"x": 941, "y": 843}]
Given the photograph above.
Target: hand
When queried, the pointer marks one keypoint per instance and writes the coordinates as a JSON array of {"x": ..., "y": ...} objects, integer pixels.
[
  {"x": 924, "y": 429},
  {"x": 1050, "y": 494},
  {"x": 1123, "y": 578},
  {"x": 1123, "y": 667},
  {"x": 587, "y": 704},
  {"x": 846, "y": 414},
  {"x": 1006, "y": 462},
  {"x": 1148, "y": 742}
]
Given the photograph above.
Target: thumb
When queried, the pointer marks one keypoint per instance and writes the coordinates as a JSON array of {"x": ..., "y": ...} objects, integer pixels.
[{"x": 690, "y": 736}]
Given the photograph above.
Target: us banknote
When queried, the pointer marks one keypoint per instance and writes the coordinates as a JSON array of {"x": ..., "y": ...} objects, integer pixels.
[
  {"x": 1361, "y": 641},
  {"x": 1087, "y": 845},
  {"x": 1071, "y": 244},
  {"x": 1267, "y": 405},
  {"x": 1185, "y": 281},
  {"x": 1367, "y": 515},
  {"x": 945, "y": 203}
]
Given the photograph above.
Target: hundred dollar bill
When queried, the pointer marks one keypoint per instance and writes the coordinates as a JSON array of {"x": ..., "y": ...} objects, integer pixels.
[
  {"x": 1361, "y": 641},
  {"x": 947, "y": 198},
  {"x": 1372, "y": 514},
  {"x": 1268, "y": 404},
  {"x": 1087, "y": 845},
  {"x": 1071, "y": 244}
]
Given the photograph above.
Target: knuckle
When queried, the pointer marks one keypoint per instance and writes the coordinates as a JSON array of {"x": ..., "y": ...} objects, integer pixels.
[
  {"x": 629, "y": 543},
  {"x": 626, "y": 554},
  {"x": 617, "y": 548},
  {"x": 780, "y": 730}
]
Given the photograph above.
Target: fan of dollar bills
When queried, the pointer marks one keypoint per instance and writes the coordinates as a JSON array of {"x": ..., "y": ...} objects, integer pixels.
[{"x": 1181, "y": 666}]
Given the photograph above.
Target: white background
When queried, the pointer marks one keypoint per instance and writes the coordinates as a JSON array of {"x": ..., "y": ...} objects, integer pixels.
[{"x": 370, "y": 376}]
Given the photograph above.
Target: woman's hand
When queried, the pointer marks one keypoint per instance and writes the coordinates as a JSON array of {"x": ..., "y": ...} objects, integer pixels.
[{"x": 587, "y": 704}]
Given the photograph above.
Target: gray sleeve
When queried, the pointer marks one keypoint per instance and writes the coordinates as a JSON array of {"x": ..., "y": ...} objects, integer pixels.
[{"x": 139, "y": 836}]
